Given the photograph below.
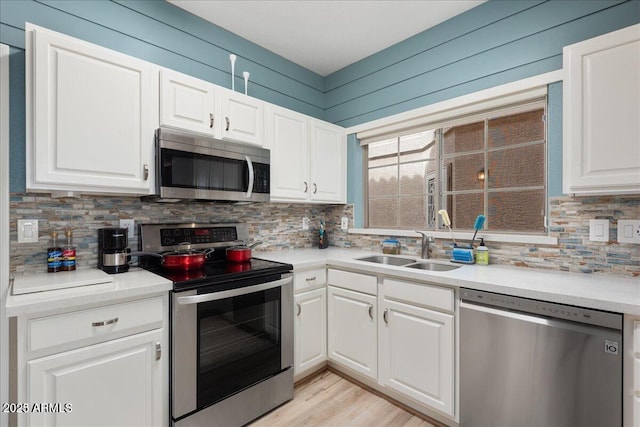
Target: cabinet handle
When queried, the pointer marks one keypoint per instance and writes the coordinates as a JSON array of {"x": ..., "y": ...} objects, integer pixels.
[
  {"x": 306, "y": 186},
  {"x": 299, "y": 309},
  {"x": 315, "y": 188},
  {"x": 371, "y": 311},
  {"x": 105, "y": 322},
  {"x": 311, "y": 279},
  {"x": 227, "y": 119},
  {"x": 210, "y": 120},
  {"x": 145, "y": 171},
  {"x": 158, "y": 351},
  {"x": 385, "y": 316}
]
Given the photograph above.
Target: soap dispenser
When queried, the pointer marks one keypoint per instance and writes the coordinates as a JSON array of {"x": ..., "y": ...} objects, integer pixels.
[{"x": 323, "y": 240}]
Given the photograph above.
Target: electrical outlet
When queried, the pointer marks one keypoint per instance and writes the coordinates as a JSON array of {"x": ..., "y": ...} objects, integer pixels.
[
  {"x": 305, "y": 223},
  {"x": 129, "y": 224},
  {"x": 344, "y": 223},
  {"x": 629, "y": 231}
]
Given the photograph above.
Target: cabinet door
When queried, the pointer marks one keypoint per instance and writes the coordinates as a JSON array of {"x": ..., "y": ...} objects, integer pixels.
[
  {"x": 417, "y": 354},
  {"x": 310, "y": 330},
  {"x": 187, "y": 103},
  {"x": 92, "y": 117},
  {"x": 328, "y": 163},
  {"x": 601, "y": 105},
  {"x": 289, "y": 155},
  {"x": 352, "y": 330},
  {"x": 116, "y": 383},
  {"x": 242, "y": 118}
]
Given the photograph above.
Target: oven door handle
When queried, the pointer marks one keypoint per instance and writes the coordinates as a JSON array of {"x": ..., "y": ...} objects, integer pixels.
[{"x": 214, "y": 296}]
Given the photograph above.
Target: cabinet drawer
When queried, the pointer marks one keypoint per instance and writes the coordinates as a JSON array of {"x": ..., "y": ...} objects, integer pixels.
[
  {"x": 307, "y": 280},
  {"x": 419, "y": 293},
  {"x": 636, "y": 337},
  {"x": 95, "y": 324},
  {"x": 354, "y": 281}
]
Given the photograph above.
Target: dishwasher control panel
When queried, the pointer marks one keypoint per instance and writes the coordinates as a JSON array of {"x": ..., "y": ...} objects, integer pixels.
[{"x": 543, "y": 308}]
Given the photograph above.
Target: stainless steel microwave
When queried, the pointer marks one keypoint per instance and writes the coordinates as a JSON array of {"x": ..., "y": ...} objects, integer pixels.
[{"x": 198, "y": 167}]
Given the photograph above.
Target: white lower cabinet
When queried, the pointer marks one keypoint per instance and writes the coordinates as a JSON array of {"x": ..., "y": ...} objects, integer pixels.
[
  {"x": 416, "y": 354},
  {"x": 95, "y": 366},
  {"x": 352, "y": 330},
  {"x": 117, "y": 383},
  {"x": 310, "y": 331}
]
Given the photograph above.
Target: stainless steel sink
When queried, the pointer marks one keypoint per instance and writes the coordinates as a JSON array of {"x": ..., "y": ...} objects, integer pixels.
[
  {"x": 432, "y": 266},
  {"x": 388, "y": 260}
]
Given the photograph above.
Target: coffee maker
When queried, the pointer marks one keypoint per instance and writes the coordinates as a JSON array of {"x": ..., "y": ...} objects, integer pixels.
[{"x": 113, "y": 250}]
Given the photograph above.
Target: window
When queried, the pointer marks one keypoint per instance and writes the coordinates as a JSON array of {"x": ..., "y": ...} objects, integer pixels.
[{"x": 493, "y": 163}]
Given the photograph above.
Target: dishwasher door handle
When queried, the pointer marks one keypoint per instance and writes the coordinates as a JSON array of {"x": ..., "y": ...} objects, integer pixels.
[{"x": 552, "y": 323}]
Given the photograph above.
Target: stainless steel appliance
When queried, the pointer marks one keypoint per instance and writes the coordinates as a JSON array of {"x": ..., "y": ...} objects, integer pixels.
[
  {"x": 231, "y": 328},
  {"x": 113, "y": 250},
  {"x": 530, "y": 363},
  {"x": 192, "y": 166}
]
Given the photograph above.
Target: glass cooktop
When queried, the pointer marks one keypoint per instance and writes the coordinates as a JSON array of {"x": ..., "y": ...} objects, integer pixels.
[{"x": 221, "y": 273}]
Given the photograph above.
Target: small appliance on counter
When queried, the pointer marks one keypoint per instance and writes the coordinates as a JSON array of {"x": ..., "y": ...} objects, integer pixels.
[{"x": 113, "y": 250}]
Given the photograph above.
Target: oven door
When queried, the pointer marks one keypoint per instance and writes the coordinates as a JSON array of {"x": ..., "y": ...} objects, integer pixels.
[{"x": 226, "y": 341}]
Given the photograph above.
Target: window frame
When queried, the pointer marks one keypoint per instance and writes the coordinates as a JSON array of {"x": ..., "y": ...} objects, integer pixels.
[{"x": 484, "y": 116}]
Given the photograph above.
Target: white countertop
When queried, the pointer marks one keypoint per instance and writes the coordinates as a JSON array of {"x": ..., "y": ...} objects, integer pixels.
[
  {"x": 602, "y": 292},
  {"x": 134, "y": 283}
]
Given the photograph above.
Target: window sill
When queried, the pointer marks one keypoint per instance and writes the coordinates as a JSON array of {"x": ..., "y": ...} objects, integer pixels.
[{"x": 461, "y": 235}]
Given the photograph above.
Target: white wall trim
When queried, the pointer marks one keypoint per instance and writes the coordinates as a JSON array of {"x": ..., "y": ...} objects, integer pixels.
[
  {"x": 462, "y": 236},
  {"x": 4, "y": 227},
  {"x": 508, "y": 89}
]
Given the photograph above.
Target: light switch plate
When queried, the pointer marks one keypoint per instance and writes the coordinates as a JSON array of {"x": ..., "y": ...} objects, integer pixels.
[
  {"x": 27, "y": 231},
  {"x": 305, "y": 223},
  {"x": 599, "y": 230},
  {"x": 629, "y": 231}
]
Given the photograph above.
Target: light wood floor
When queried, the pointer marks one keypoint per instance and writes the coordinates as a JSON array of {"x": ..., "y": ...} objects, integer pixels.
[{"x": 328, "y": 399}]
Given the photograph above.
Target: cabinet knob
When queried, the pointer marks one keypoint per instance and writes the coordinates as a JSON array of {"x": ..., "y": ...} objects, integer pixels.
[
  {"x": 371, "y": 311},
  {"x": 299, "y": 309},
  {"x": 315, "y": 188},
  {"x": 158, "y": 351},
  {"x": 228, "y": 123},
  {"x": 211, "y": 120},
  {"x": 306, "y": 186},
  {"x": 145, "y": 171},
  {"x": 385, "y": 316},
  {"x": 311, "y": 279}
]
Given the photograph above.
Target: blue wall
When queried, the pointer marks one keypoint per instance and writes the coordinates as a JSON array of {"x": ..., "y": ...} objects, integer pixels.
[
  {"x": 495, "y": 43},
  {"x": 160, "y": 33},
  {"x": 492, "y": 44}
]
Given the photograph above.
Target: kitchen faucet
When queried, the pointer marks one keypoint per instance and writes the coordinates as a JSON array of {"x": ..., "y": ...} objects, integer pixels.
[{"x": 426, "y": 241}]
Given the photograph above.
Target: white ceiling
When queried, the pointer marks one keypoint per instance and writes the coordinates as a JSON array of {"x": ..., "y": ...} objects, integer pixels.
[{"x": 325, "y": 36}]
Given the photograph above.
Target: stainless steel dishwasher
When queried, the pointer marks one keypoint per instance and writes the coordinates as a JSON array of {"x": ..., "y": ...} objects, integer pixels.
[{"x": 530, "y": 363}]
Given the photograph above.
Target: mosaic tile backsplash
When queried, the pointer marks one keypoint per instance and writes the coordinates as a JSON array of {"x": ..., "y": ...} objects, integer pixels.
[{"x": 279, "y": 226}]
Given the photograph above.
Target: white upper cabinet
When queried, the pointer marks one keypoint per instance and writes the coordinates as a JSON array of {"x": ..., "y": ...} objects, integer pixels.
[
  {"x": 601, "y": 110},
  {"x": 328, "y": 162},
  {"x": 195, "y": 105},
  {"x": 308, "y": 158},
  {"x": 289, "y": 155},
  {"x": 242, "y": 118},
  {"x": 187, "y": 103},
  {"x": 91, "y": 117}
]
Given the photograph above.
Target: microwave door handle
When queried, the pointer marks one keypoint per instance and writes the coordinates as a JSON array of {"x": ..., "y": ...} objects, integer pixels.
[{"x": 251, "y": 177}]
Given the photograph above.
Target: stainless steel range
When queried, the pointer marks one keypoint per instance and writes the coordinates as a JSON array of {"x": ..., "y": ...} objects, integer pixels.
[{"x": 231, "y": 327}]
